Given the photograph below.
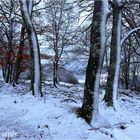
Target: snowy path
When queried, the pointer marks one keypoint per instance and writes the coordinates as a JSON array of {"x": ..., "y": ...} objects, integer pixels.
[
  {"x": 25, "y": 117},
  {"x": 11, "y": 122}
]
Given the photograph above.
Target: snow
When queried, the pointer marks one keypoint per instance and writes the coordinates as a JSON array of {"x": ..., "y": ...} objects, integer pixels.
[
  {"x": 53, "y": 117},
  {"x": 30, "y": 7},
  {"x": 129, "y": 33},
  {"x": 26, "y": 12},
  {"x": 22, "y": 116},
  {"x": 118, "y": 133}
]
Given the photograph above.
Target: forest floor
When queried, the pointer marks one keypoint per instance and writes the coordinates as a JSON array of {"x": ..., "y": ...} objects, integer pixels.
[{"x": 53, "y": 117}]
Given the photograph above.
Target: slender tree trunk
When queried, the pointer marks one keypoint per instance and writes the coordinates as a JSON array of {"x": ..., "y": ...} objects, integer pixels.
[
  {"x": 55, "y": 63},
  {"x": 19, "y": 59},
  {"x": 113, "y": 75},
  {"x": 10, "y": 55},
  {"x": 55, "y": 73},
  {"x": 134, "y": 77},
  {"x": 7, "y": 76},
  {"x": 33, "y": 40},
  {"x": 126, "y": 74},
  {"x": 126, "y": 80},
  {"x": 90, "y": 107},
  {"x": 106, "y": 60}
]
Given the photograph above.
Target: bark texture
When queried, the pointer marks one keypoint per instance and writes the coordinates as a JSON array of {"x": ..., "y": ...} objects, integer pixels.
[
  {"x": 35, "y": 52},
  {"x": 117, "y": 7},
  {"x": 91, "y": 71}
]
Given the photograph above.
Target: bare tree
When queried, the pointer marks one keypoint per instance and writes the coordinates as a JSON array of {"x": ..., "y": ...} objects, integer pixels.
[
  {"x": 18, "y": 61},
  {"x": 9, "y": 23},
  {"x": 60, "y": 29},
  {"x": 115, "y": 56},
  {"x": 26, "y": 10}
]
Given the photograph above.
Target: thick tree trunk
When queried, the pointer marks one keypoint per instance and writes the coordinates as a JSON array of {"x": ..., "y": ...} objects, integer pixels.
[
  {"x": 35, "y": 52},
  {"x": 90, "y": 107},
  {"x": 113, "y": 75}
]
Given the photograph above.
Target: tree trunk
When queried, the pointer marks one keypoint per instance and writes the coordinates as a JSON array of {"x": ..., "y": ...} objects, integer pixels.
[
  {"x": 113, "y": 75},
  {"x": 134, "y": 77},
  {"x": 10, "y": 55},
  {"x": 90, "y": 107},
  {"x": 55, "y": 73},
  {"x": 19, "y": 59},
  {"x": 35, "y": 52}
]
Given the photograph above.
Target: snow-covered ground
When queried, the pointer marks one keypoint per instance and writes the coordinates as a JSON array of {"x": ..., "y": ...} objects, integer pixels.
[{"x": 53, "y": 117}]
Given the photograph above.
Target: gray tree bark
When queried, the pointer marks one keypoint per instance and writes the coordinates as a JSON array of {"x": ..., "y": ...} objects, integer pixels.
[
  {"x": 90, "y": 107},
  {"x": 115, "y": 42},
  {"x": 26, "y": 7}
]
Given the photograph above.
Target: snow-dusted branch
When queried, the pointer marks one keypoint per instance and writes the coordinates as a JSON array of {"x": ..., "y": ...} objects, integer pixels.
[{"x": 129, "y": 33}]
